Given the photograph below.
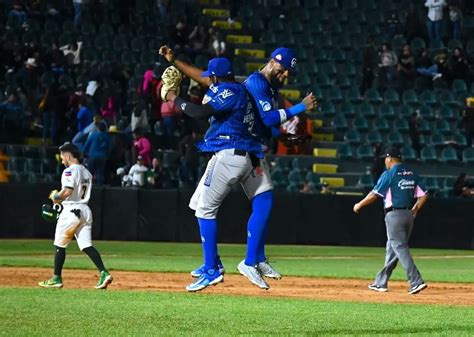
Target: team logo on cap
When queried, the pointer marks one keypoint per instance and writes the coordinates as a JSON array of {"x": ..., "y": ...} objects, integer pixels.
[
  {"x": 293, "y": 62},
  {"x": 278, "y": 57}
]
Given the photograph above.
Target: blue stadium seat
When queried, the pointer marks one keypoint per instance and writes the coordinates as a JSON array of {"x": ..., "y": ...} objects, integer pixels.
[
  {"x": 449, "y": 155},
  {"x": 344, "y": 151},
  {"x": 352, "y": 137},
  {"x": 365, "y": 152},
  {"x": 428, "y": 154},
  {"x": 408, "y": 154}
]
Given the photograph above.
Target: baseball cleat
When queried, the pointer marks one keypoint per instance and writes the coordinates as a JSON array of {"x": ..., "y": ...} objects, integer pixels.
[
  {"x": 208, "y": 278},
  {"x": 416, "y": 289},
  {"x": 104, "y": 280},
  {"x": 53, "y": 282},
  {"x": 253, "y": 274},
  {"x": 376, "y": 287},
  {"x": 198, "y": 271},
  {"x": 267, "y": 270}
]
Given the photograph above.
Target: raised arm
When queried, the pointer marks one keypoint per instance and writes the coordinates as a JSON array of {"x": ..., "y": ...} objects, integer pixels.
[{"x": 187, "y": 69}]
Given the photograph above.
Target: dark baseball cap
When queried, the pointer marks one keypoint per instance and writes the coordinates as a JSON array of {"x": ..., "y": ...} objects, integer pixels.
[
  {"x": 219, "y": 67},
  {"x": 392, "y": 152}
]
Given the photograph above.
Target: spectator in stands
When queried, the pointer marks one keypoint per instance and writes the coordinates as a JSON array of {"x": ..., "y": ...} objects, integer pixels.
[
  {"x": 77, "y": 5},
  {"x": 170, "y": 114},
  {"x": 437, "y": 70},
  {"x": 72, "y": 52},
  {"x": 393, "y": 26},
  {"x": 467, "y": 123},
  {"x": 141, "y": 147},
  {"x": 157, "y": 175},
  {"x": 378, "y": 163},
  {"x": 455, "y": 18},
  {"x": 199, "y": 39},
  {"x": 406, "y": 68},
  {"x": 435, "y": 18},
  {"x": 17, "y": 13},
  {"x": 180, "y": 37},
  {"x": 369, "y": 63},
  {"x": 162, "y": 7},
  {"x": 189, "y": 159},
  {"x": 53, "y": 105},
  {"x": 119, "y": 149},
  {"x": 11, "y": 105},
  {"x": 108, "y": 109},
  {"x": 218, "y": 45},
  {"x": 137, "y": 172},
  {"x": 307, "y": 188},
  {"x": 413, "y": 25},
  {"x": 54, "y": 57},
  {"x": 423, "y": 59},
  {"x": 97, "y": 151},
  {"x": 462, "y": 186},
  {"x": 140, "y": 116},
  {"x": 414, "y": 133},
  {"x": 81, "y": 136},
  {"x": 459, "y": 65},
  {"x": 326, "y": 189},
  {"x": 28, "y": 78},
  {"x": 84, "y": 116},
  {"x": 387, "y": 66}
]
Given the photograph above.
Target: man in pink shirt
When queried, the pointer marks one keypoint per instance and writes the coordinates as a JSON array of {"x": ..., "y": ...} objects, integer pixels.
[{"x": 142, "y": 147}]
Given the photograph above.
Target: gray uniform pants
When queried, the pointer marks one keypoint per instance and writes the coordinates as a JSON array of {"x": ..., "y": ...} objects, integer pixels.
[{"x": 399, "y": 225}]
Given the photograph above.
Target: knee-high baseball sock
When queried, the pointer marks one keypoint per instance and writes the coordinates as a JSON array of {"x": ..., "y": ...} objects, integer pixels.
[
  {"x": 208, "y": 229},
  {"x": 257, "y": 228},
  {"x": 59, "y": 258},
  {"x": 94, "y": 255}
]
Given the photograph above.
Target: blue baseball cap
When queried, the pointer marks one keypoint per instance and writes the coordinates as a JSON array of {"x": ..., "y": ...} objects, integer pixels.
[
  {"x": 218, "y": 66},
  {"x": 286, "y": 57}
]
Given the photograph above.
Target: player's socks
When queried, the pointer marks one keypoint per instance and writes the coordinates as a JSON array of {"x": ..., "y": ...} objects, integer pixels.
[
  {"x": 208, "y": 229},
  {"x": 94, "y": 255},
  {"x": 257, "y": 228},
  {"x": 59, "y": 258}
]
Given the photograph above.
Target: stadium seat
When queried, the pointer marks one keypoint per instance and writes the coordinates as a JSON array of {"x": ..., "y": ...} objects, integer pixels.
[
  {"x": 428, "y": 98},
  {"x": 19, "y": 177},
  {"x": 446, "y": 97},
  {"x": 395, "y": 138},
  {"x": 279, "y": 178},
  {"x": 448, "y": 183},
  {"x": 424, "y": 127},
  {"x": 391, "y": 97},
  {"x": 408, "y": 154},
  {"x": 343, "y": 81},
  {"x": 426, "y": 112},
  {"x": 360, "y": 124},
  {"x": 293, "y": 188},
  {"x": 381, "y": 124},
  {"x": 468, "y": 156},
  {"x": 16, "y": 164},
  {"x": 348, "y": 109},
  {"x": 339, "y": 122},
  {"x": 353, "y": 96},
  {"x": 447, "y": 113},
  {"x": 338, "y": 56},
  {"x": 452, "y": 44},
  {"x": 437, "y": 140},
  {"x": 33, "y": 165},
  {"x": 459, "y": 86},
  {"x": 436, "y": 46},
  {"x": 411, "y": 98},
  {"x": 296, "y": 164},
  {"x": 31, "y": 152},
  {"x": 449, "y": 155},
  {"x": 401, "y": 125},
  {"x": 443, "y": 127},
  {"x": 335, "y": 95},
  {"x": 296, "y": 177},
  {"x": 387, "y": 111},
  {"x": 431, "y": 184},
  {"x": 373, "y": 96},
  {"x": 417, "y": 44},
  {"x": 366, "y": 181},
  {"x": 374, "y": 137},
  {"x": 460, "y": 139},
  {"x": 328, "y": 109},
  {"x": 428, "y": 154},
  {"x": 49, "y": 165},
  {"x": 365, "y": 152},
  {"x": 352, "y": 137},
  {"x": 282, "y": 164},
  {"x": 344, "y": 151},
  {"x": 406, "y": 110},
  {"x": 170, "y": 160},
  {"x": 350, "y": 70},
  {"x": 367, "y": 110}
]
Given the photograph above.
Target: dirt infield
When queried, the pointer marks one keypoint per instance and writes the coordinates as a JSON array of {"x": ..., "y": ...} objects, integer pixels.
[{"x": 290, "y": 287}]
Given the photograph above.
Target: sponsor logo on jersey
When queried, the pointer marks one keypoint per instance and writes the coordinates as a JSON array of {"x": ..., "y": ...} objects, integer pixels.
[
  {"x": 68, "y": 173},
  {"x": 266, "y": 106},
  {"x": 225, "y": 93},
  {"x": 406, "y": 184},
  {"x": 183, "y": 106}
]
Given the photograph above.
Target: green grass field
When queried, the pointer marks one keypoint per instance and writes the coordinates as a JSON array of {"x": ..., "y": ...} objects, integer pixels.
[{"x": 88, "y": 312}]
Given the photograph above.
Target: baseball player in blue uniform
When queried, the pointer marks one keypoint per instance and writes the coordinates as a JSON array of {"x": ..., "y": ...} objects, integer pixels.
[
  {"x": 235, "y": 150},
  {"x": 398, "y": 186}
]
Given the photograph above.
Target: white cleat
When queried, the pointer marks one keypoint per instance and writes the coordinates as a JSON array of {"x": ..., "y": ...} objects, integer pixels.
[
  {"x": 267, "y": 270},
  {"x": 253, "y": 275}
]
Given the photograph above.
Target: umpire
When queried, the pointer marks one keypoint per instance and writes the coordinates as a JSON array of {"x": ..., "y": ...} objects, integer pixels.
[{"x": 398, "y": 186}]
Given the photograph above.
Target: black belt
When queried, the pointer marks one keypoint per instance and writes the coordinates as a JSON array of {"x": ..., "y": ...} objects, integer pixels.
[
  {"x": 240, "y": 153},
  {"x": 255, "y": 161},
  {"x": 389, "y": 209}
]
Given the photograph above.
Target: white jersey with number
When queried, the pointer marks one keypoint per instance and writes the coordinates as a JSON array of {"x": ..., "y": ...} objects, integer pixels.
[{"x": 79, "y": 179}]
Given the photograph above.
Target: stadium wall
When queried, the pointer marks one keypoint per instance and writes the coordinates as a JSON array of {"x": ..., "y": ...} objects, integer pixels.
[{"x": 163, "y": 215}]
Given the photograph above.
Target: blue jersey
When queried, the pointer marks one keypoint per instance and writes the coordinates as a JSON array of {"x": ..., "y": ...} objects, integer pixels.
[
  {"x": 399, "y": 186},
  {"x": 264, "y": 99},
  {"x": 231, "y": 124}
]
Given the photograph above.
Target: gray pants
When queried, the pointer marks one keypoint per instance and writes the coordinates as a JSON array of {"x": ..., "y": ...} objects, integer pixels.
[{"x": 399, "y": 225}]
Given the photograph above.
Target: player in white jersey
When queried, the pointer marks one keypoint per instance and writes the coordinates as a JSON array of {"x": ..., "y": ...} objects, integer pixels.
[{"x": 75, "y": 219}]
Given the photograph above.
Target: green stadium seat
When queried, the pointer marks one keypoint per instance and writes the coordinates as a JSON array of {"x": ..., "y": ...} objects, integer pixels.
[
  {"x": 276, "y": 26},
  {"x": 381, "y": 124},
  {"x": 448, "y": 183},
  {"x": 343, "y": 82},
  {"x": 323, "y": 80},
  {"x": 352, "y": 137},
  {"x": 365, "y": 152},
  {"x": 446, "y": 97},
  {"x": 31, "y": 152},
  {"x": 452, "y": 44},
  {"x": 373, "y": 96},
  {"x": 49, "y": 165},
  {"x": 437, "y": 140},
  {"x": 459, "y": 86},
  {"x": 387, "y": 111},
  {"x": 406, "y": 111},
  {"x": 338, "y": 56},
  {"x": 391, "y": 97},
  {"x": 19, "y": 177},
  {"x": 367, "y": 110},
  {"x": 443, "y": 127},
  {"x": 401, "y": 125},
  {"x": 428, "y": 98},
  {"x": 417, "y": 44},
  {"x": 428, "y": 154},
  {"x": 321, "y": 56},
  {"x": 328, "y": 109},
  {"x": 374, "y": 137},
  {"x": 339, "y": 122},
  {"x": 16, "y": 164},
  {"x": 408, "y": 154},
  {"x": 411, "y": 98},
  {"x": 395, "y": 138},
  {"x": 431, "y": 184},
  {"x": 335, "y": 95},
  {"x": 296, "y": 164},
  {"x": 313, "y": 178},
  {"x": 348, "y": 109},
  {"x": 366, "y": 181},
  {"x": 330, "y": 69},
  {"x": 436, "y": 46},
  {"x": 360, "y": 123},
  {"x": 350, "y": 70},
  {"x": 449, "y": 155},
  {"x": 460, "y": 139},
  {"x": 353, "y": 95},
  {"x": 47, "y": 79},
  {"x": 426, "y": 112},
  {"x": 424, "y": 127},
  {"x": 279, "y": 178},
  {"x": 296, "y": 177},
  {"x": 294, "y": 188},
  {"x": 33, "y": 165},
  {"x": 344, "y": 151},
  {"x": 447, "y": 113},
  {"x": 468, "y": 156}
]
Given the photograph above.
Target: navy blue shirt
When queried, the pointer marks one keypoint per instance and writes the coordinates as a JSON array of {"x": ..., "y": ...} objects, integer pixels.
[
  {"x": 399, "y": 186},
  {"x": 233, "y": 120}
]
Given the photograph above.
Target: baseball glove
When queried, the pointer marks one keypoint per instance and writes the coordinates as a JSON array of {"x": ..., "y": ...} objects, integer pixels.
[
  {"x": 290, "y": 139},
  {"x": 52, "y": 196},
  {"x": 51, "y": 213},
  {"x": 171, "y": 79}
]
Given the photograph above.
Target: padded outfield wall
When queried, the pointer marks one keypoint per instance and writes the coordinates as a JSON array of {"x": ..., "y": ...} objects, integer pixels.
[{"x": 163, "y": 215}]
